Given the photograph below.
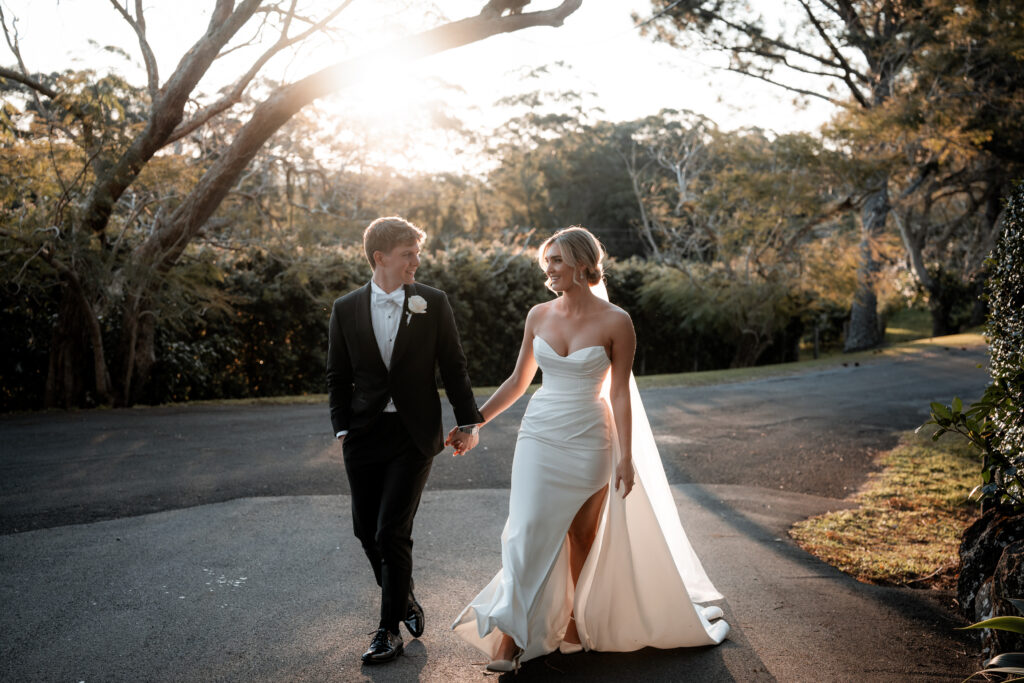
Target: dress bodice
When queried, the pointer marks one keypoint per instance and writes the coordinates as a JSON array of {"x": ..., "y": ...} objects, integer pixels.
[{"x": 580, "y": 373}]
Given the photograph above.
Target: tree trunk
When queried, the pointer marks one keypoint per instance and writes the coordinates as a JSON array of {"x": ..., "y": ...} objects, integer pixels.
[
  {"x": 77, "y": 373},
  {"x": 864, "y": 330}
]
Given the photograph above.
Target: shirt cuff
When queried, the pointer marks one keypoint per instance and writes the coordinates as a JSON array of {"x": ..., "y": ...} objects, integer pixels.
[{"x": 340, "y": 434}]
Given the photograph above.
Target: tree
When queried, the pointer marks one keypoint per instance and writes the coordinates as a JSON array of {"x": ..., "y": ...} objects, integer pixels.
[
  {"x": 732, "y": 212},
  {"x": 929, "y": 105},
  {"x": 851, "y": 53},
  {"x": 122, "y": 135},
  {"x": 959, "y": 129}
]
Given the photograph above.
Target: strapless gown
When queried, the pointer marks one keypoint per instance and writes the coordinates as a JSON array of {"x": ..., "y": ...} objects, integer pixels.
[{"x": 641, "y": 581}]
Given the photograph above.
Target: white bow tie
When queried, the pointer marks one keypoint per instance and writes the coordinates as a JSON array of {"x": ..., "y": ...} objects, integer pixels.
[{"x": 396, "y": 297}]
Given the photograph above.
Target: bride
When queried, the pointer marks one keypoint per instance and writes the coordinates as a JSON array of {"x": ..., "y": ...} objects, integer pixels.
[{"x": 583, "y": 569}]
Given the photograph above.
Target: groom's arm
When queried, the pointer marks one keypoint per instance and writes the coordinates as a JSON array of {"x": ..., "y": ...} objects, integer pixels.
[
  {"x": 454, "y": 374},
  {"x": 339, "y": 373}
]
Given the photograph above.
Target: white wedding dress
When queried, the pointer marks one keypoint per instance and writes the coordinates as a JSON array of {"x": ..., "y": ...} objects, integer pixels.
[{"x": 641, "y": 581}]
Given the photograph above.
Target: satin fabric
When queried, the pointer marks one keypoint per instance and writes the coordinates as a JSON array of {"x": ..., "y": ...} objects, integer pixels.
[{"x": 641, "y": 579}]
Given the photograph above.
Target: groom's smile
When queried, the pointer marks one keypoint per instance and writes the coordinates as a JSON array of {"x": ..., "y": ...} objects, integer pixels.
[{"x": 397, "y": 267}]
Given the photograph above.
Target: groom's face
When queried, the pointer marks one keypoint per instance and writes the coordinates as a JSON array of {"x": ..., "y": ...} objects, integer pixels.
[{"x": 399, "y": 265}]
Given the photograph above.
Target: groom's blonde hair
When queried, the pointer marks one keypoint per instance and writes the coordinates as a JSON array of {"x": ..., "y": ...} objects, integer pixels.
[
  {"x": 579, "y": 248},
  {"x": 384, "y": 234}
]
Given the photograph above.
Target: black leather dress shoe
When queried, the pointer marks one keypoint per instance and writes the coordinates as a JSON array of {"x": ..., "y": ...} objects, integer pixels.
[
  {"x": 384, "y": 647},
  {"x": 414, "y": 619}
]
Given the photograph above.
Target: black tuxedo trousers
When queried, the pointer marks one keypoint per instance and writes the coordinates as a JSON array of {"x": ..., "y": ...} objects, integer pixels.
[{"x": 386, "y": 474}]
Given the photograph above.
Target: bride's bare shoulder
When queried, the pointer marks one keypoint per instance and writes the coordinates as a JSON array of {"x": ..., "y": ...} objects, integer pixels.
[
  {"x": 536, "y": 314},
  {"x": 539, "y": 310},
  {"x": 615, "y": 314},
  {"x": 616, "y": 321}
]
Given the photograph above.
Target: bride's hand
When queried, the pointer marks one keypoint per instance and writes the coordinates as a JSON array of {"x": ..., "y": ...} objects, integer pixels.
[{"x": 625, "y": 474}]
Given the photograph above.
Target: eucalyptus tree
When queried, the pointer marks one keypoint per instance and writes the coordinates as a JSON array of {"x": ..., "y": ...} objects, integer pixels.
[
  {"x": 124, "y": 135},
  {"x": 733, "y": 212},
  {"x": 959, "y": 129},
  {"x": 851, "y": 53},
  {"x": 929, "y": 108}
]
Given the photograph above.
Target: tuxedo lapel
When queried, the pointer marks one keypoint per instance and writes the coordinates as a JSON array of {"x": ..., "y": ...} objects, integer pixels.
[
  {"x": 401, "y": 340},
  {"x": 364, "y": 327}
]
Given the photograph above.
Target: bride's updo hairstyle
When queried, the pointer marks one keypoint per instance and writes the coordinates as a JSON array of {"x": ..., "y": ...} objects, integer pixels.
[{"x": 579, "y": 247}]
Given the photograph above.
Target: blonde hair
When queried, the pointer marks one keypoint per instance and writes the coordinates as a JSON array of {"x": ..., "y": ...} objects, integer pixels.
[
  {"x": 384, "y": 234},
  {"x": 579, "y": 248}
]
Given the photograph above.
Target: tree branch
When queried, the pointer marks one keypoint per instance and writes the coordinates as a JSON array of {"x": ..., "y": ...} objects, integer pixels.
[
  {"x": 139, "y": 26},
  {"x": 166, "y": 113},
  {"x": 35, "y": 85},
  {"x": 166, "y": 244},
  {"x": 847, "y": 68},
  {"x": 801, "y": 91},
  {"x": 234, "y": 95},
  {"x": 23, "y": 77}
]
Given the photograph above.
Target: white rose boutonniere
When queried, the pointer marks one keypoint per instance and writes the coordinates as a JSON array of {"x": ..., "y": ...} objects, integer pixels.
[{"x": 416, "y": 304}]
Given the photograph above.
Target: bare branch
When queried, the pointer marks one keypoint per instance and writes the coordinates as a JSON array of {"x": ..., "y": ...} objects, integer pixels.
[
  {"x": 847, "y": 68},
  {"x": 138, "y": 25},
  {"x": 167, "y": 244},
  {"x": 234, "y": 95},
  {"x": 167, "y": 111},
  {"x": 801, "y": 91},
  {"x": 755, "y": 35},
  {"x": 23, "y": 77},
  {"x": 26, "y": 80}
]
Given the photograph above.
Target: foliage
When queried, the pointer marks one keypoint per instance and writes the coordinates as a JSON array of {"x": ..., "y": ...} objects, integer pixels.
[
  {"x": 1006, "y": 328},
  {"x": 252, "y": 322},
  {"x": 1002, "y": 482},
  {"x": 995, "y": 424},
  {"x": 907, "y": 521},
  {"x": 1009, "y": 663}
]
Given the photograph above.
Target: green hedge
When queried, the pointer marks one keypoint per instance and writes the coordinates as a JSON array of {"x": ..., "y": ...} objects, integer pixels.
[{"x": 260, "y": 328}]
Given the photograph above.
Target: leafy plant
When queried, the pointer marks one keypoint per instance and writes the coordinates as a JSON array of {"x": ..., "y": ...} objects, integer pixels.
[
  {"x": 1002, "y": 484},
  {"x": 1011, "y": 663},
  {"x": 995, "y": 424}
]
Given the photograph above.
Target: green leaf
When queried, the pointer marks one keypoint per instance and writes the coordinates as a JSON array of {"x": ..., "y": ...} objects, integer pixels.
[
  {"x": 958, "y": 405},
  {"x": 1007, "y": 659},
  {"x": 941, "y": 412},
  {"x": 1011, "y": 624}
]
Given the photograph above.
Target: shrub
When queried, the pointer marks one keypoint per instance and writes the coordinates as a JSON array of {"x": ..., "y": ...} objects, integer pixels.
[{"x": 995, "y": 424}]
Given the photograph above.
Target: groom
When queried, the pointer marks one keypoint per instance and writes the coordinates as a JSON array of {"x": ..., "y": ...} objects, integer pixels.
[{"x": 385, "y": 340}]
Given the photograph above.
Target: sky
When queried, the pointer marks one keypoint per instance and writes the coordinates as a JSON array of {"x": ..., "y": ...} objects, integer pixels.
[{"x": 602, "y": 53}]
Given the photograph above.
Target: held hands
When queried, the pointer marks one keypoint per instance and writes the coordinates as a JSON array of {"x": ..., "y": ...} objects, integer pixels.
[
  {"x": 625, "y": 474},
  {"x": 461, "y": 442}
]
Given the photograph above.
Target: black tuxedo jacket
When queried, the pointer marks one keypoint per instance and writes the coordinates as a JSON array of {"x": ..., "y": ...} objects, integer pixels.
[{"x": 359, "y": 384}]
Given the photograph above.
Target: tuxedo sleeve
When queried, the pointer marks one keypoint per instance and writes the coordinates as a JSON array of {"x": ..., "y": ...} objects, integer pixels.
[
  {"x": 339, "y": 373},
  {"x": 454, "y": 374}
]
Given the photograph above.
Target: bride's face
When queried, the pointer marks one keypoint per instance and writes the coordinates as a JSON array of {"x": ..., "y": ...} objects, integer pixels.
[{"x": 560, "y": 274}]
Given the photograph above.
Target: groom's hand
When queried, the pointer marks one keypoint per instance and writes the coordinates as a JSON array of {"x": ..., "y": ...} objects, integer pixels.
[{"x": 461, "y": 442}]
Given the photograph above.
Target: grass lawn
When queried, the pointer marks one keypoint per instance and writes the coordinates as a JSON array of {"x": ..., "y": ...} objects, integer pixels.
[
  {"x": 907, "y": 528},
  {"x": 908, "y": 324}
]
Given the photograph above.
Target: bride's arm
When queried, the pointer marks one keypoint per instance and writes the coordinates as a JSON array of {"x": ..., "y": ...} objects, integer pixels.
[
  {"x": 518, "y": 382},
  {"x": 623, "y": 348}
]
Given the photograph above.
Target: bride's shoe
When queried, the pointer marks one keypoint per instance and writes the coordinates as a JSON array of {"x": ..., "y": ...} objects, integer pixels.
[
  {"x": 567, "y": 648},
  {"x": 506, "y": 665},
  {"x": 712, "y": 612}
]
